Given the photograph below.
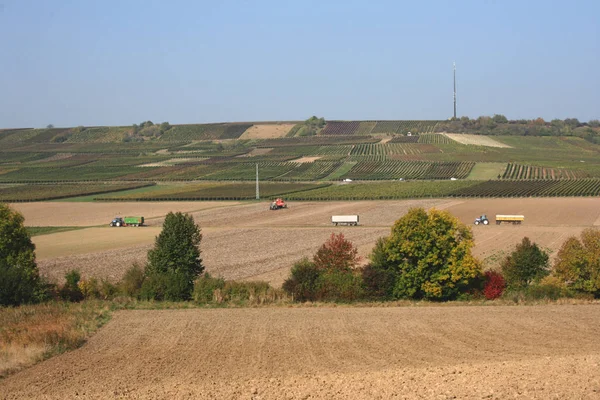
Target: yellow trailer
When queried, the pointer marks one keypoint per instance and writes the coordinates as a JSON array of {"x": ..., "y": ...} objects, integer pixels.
[{"x": 511, "y": 219}]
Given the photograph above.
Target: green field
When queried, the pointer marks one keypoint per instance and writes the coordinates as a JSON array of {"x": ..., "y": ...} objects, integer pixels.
[
  {"x": 46, "y": 230},
  {"x": 20, "y": 192},
  {"x": 215, "y": 191},
  {"x": 383, "y": 190}
]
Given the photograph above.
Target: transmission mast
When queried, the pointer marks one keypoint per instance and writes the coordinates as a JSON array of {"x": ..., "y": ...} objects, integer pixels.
[
  {"x": 455, "y": 91},
  {"x": 257, "y": 193}
]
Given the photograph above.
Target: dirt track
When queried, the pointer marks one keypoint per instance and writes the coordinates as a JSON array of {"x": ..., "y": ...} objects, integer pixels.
[
  {"x": 297, "y": 353},
  {"x": 246, "y": 241}
]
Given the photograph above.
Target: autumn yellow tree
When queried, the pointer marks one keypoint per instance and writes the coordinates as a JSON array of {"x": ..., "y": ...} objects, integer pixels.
[
  {"x": 577, "y": 263},
  {"x": 431, "y": 255}
]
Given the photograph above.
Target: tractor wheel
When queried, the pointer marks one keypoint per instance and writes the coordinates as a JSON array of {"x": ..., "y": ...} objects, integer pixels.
[
  {"x": 118, "y": 224},
  {"x": 485, "y": 222},
  {"x": 476, "y": 222}
]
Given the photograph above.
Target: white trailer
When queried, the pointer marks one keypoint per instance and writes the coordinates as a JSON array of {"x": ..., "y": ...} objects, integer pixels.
[{"x": 344, "y": 219}]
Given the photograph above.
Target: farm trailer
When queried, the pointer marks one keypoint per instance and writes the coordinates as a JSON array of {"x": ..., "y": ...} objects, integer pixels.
[
  {"x": 127, "y": 221},
  {"x": 510, "y": 219},
  {"x": 344, "y": 219}
]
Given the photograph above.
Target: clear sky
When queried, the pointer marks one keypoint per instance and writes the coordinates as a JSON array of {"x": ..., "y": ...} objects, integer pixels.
[{"x": 119, "y": 62}]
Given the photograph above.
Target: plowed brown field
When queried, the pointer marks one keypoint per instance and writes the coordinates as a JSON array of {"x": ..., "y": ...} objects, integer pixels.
[
  {"x": 247, "y": 241},
  {"x": 543, "y": 352}
]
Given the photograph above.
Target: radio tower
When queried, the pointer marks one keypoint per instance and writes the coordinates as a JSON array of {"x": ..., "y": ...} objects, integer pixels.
[
  {"x": 257, "y": 192},
  {"x": 454, "y": 90}
]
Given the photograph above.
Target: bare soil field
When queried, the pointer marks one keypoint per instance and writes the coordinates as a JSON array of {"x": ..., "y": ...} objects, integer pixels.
[
  {"x": 307, "y": 159},
  {"x": 478, "y": 140},
  {"x": 259, "y": 151},
  {"x": 247, "y": 241},
  {"x": 92, "y": 214},
  {"x": 466, "y": 352},
  {"x": 266, "y": 131}
]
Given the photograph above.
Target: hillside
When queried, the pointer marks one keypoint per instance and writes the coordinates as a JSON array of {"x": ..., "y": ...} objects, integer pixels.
[{"x": 292, "y": 153}]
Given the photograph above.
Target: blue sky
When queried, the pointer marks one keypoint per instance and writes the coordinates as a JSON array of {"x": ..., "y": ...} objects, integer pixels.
[{"x": 120, "y": 62}]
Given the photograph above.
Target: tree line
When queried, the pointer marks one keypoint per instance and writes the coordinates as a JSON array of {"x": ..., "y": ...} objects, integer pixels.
[
  {"x": 426, "y": 256},
  {"x": 498, "y": 124}
]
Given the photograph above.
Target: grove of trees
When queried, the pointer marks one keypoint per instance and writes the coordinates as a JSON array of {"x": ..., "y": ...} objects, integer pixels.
[
  {"x": 500, "y": 125},
  {"x": 427, "y": 256}
]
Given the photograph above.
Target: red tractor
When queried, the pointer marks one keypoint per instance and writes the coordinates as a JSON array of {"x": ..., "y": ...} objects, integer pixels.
[{"x": 278, "y": 204}]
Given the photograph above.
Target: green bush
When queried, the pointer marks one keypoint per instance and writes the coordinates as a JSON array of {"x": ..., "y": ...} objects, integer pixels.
[
  {"x": 169, "y": 286},
  {"x": 301, "y": 284},
  {"x": 132, "y": 281},
  {"x": 90, "y": 288},
  {"x": 335, "y": 285},
  {"x": 204, "y": 288},
  {"x": 245, "y": 292},
  {"x": 108, "y": 290},
  {"x": 209, "y": 290},
  {"x": 71, "y": 291},
  {"x": 378, "y": 282},
  {"x": 542, "y": 291}
]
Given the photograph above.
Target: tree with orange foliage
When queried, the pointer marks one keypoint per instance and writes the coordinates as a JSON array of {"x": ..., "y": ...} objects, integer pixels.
[{"x": 337, "y": 253}]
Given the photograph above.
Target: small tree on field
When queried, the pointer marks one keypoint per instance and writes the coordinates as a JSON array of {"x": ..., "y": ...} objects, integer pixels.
[
  {"x": 336, "y": 253},
  {"x": 431, "y": 253},
  {"x": 578, "y": 262},
  {"x": 19, "y": 276},
  {"x": 525, "y": 265},
  {"x": 174, "y": 262}
]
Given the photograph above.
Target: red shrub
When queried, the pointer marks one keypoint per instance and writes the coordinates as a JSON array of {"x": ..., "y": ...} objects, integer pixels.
[{"x": 494, "y": 285}]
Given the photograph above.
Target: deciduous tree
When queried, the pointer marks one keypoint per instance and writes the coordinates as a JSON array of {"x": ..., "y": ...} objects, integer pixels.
[
  {"x": 336, "y": 253},
  {"x": 431, "y": 253},
  {"x": 578, "y": 262},
  {"x": 176, "y": 257},
  {"x": 19, "y": 275},
  {"x": 525, "y": 265}
]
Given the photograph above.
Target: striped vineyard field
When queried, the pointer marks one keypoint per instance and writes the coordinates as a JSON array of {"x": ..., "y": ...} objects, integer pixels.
[
  {"x": 520, "y": 171},
  {"x": 405, "y": 139},
  {"x": 342, "y": 150},
  {"x": 366, "y": 127},
  {"x": 216, "y": 191},
  {"x": 392, "y": 149},
  {"x": 404, "y": 127},
  {"x": 435, "y": 138},
  {"x": 532, "y": 188},
  {"x": 379, "y": 158},
  {"x": 247, "y": 171},
  {"x": 368, "y": 170},
  {"x": 338, "y": 128},
  {"x": 22, "y": 193},
  {"x": 383, "y": 190},
  {"x": 310, "y": 171},
  {"x": 315, "y": 141},
  {"x": 187, "y": 133}
]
